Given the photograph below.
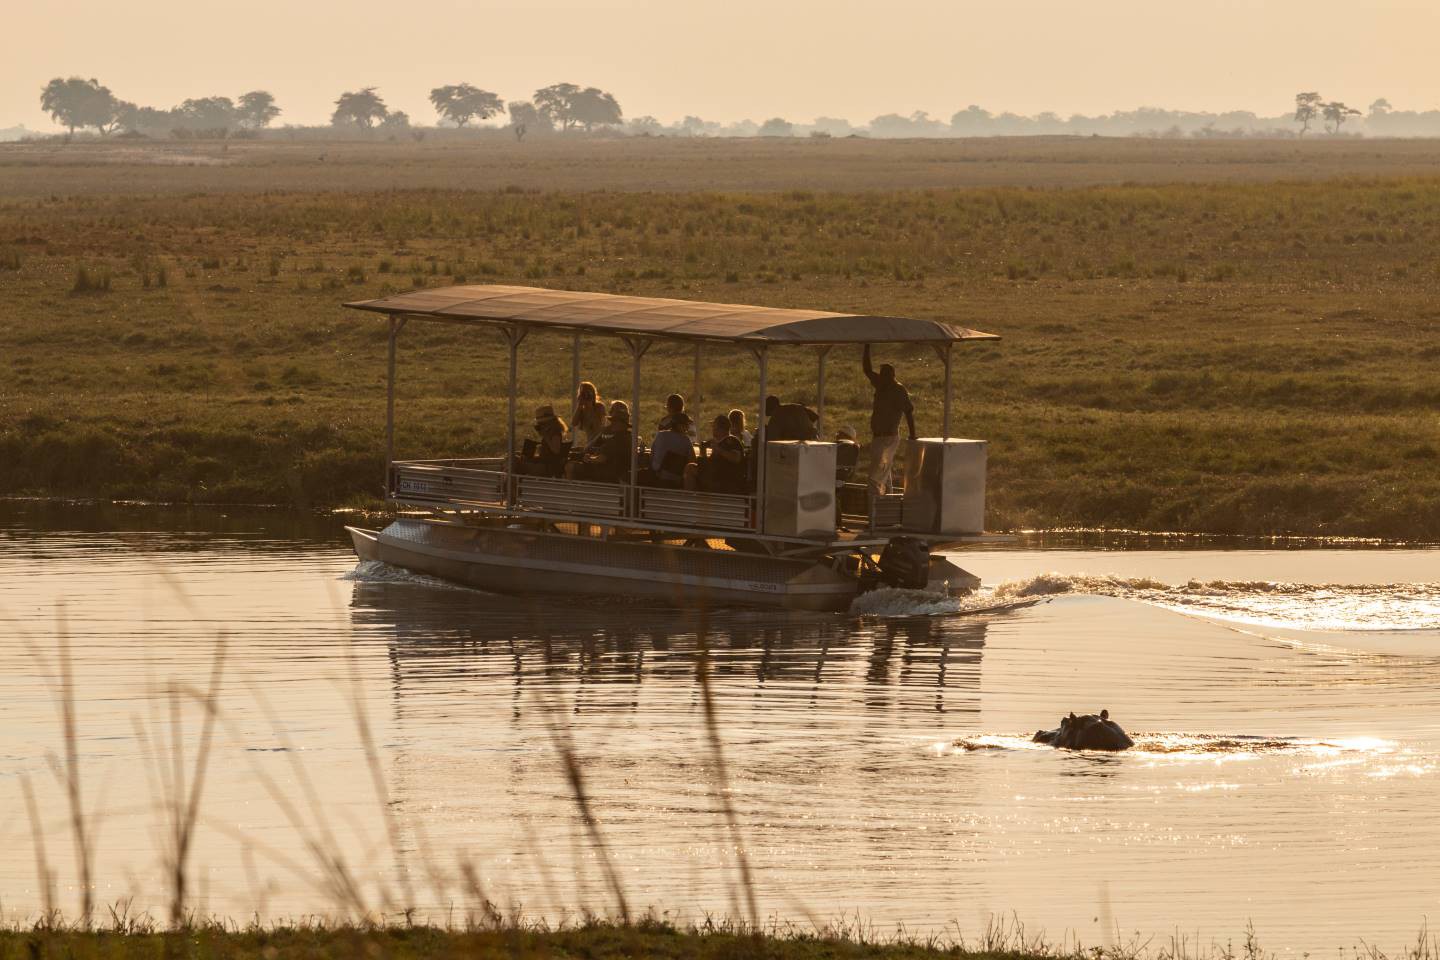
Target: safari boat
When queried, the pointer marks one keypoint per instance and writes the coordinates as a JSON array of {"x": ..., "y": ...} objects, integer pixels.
[{"x": 805, "y": 538}]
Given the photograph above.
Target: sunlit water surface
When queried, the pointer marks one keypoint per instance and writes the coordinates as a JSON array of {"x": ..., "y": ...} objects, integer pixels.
[{"x": 1285, "y": 703}]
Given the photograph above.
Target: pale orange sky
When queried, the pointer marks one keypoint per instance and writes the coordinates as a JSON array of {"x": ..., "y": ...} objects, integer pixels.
[{"x": 737, "y": 58}]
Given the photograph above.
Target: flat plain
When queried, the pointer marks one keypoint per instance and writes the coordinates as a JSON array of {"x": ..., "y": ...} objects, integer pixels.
[{"x": 1216, "y": 336}]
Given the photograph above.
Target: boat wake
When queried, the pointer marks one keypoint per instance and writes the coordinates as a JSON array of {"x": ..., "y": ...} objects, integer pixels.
[
  {"x": 889, "y": 602},
  {"x": 378, "y": 571},
  {"x": 1301, "y": 606},
  {"x": 1192, "y": 744}
]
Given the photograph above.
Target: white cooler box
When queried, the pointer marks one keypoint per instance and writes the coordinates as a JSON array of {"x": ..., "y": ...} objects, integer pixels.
[
  {"x": 944, "y": 486},
  {"x": 800, "y": 489}
]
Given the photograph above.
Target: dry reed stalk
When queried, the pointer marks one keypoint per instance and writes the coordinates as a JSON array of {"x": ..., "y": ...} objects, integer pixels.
[
  {"x": 722, "y": 774},
  {"x": 44, "y": 875},
  {"x": 574, "y": 772},
  {"x": 378, "y": 781},
  {"x": 68, "y": 772},
  {"x": 181, "y": 800},
  {"x": 320, "y": 842}
]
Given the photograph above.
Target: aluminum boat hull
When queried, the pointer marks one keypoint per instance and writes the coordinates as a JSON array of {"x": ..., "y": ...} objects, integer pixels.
[{"x": 525, "y": 561}]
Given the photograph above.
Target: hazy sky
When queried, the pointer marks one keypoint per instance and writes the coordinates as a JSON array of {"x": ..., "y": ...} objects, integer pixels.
[{"x": 736, "y": 58}]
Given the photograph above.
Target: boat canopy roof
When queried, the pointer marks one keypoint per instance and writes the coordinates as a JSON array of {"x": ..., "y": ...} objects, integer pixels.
[{"x": 615, "y": 315}]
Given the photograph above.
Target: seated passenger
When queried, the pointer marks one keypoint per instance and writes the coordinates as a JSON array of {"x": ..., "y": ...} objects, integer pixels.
[
  {"x": 675, "y": 407},
  {"x": 545, "y": 458},
  {"x": 607, "y": 459},
  {"x": 588, "y": 419},
  {"x": 671, "y": 450},
  {"x": 789, "y": 421},
  {"x": 723, "y": 471},
  {"x": 738, "y": 428}
]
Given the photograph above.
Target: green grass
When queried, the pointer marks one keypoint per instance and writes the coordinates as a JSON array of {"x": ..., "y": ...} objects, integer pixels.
[{"x": 1232, "y": 358}]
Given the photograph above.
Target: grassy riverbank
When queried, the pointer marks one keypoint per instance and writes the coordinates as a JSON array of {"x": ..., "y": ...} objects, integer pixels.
[
  {"x": 1236, "y": 357},
  {"x": 591, "y": 940}
]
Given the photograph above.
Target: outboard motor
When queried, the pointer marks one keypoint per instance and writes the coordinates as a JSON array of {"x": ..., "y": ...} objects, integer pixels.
[{"x": 905, "y": 563}]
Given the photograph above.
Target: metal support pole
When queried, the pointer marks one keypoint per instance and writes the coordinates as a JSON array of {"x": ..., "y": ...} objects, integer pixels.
[
  {"x": 397, "y": 323},
  {"x": 945, "y": 421},
  {"x": 513, "y": 336},
  {"x": 574, "y": 368},
  {"x": 759, "y": 448},
  {"x": 695, "y": 397},
  {"x": 822, "y": 353},
  {"x": 637, "y": 351}
]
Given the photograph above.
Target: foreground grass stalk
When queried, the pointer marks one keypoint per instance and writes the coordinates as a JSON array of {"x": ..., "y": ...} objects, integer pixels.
[
  {"x": 68, "y": 773},
  {"x": 185, "y": 803},
  {"x": 378, "y": 781},
  {"x": 574, "y": 771},
  {"x": 722, "y": 773},
  {"x": 45, "y": 877}
]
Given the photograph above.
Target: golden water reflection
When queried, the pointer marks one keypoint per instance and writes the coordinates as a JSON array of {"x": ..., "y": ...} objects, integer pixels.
[{"x": 1288, "y": 783}]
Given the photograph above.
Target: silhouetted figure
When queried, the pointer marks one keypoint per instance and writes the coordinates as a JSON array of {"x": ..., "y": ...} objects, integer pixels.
[
  {"x": 892, "y": 401},
  {"x": 789, "y": 421}
]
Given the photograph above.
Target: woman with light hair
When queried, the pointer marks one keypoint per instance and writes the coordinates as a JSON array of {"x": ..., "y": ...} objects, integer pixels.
[
  {"x": 588, "y": 418},
  {"x": 737, "y": 427}
]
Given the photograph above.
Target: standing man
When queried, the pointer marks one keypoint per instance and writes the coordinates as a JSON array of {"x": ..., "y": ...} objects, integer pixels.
[{"x": 892, "y": 401}]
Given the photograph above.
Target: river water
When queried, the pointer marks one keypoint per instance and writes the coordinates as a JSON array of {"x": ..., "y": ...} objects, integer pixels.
[{"x": 1286, "y": 705}]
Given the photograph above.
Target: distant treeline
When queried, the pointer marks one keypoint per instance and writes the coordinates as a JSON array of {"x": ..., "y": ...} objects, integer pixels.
[{"x": 566, "y": 108}]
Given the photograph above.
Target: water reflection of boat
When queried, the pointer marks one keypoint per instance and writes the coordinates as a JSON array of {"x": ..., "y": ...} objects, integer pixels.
[
  {"x": 439, "y": 637},
  {"x": 793, "y": 530}
]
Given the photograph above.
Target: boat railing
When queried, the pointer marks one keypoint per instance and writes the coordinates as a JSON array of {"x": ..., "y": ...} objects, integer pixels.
[
  {"x": 439, "y": 482},
  {"x": 447, "y": 482},
  {"x": 887, "y": 511},
  {"x": 711, "y": 511},
  {"x": 570, "y": 498},
  {"x": 464, "y": 463},
  {"x": 481, "y": 483}
]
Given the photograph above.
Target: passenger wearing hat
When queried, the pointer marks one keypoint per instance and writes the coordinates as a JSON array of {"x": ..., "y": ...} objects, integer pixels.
[
  {"x": 545, "y": 457},
  {"x": 607, "y": 459},
  {"x": 723, "y": 471},
  {"x": 675, "y": 407},
  {"x": 672, "y": 449}
]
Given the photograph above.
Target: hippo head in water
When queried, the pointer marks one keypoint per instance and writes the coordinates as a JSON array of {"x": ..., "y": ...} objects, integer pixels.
[{"x": 1087, "y": 732}]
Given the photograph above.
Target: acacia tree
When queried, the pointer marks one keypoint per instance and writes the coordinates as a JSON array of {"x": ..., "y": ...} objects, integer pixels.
[
  {"x": 75, "y": 103},
  {"x": 567, "y": 106},
  {"x": 776, "y": 127},
  {"x": 556, "y": 103},
  {"x": 1307, "y": 108},
  {"x": 460, "y": 103},
  {"x": 1336, "y": 114},
  {"x": 363, "y": 107},
  {"x": 256, "y": 109},
  {"x": 207, "y": 113},
  {"x": 594, "y": 107}
]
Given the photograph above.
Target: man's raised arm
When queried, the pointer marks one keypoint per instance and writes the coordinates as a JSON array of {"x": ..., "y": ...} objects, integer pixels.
[{"x": 865, "y": 363}]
